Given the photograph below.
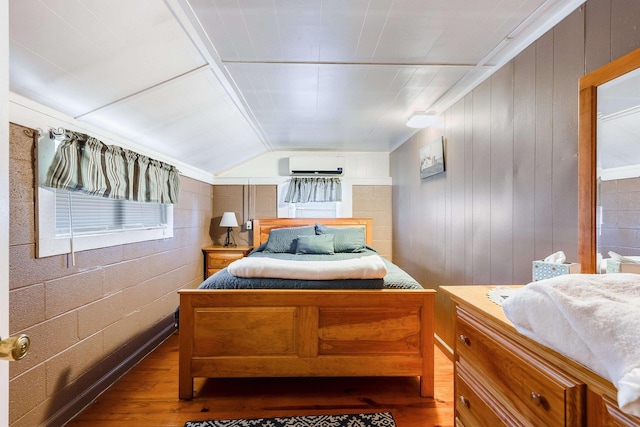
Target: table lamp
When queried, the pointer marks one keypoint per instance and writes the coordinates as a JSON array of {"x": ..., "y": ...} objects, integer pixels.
[{"x": 228, "y": 220}]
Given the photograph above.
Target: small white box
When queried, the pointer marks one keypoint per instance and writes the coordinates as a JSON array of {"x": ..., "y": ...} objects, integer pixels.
[{"x": 546, "y": 270}]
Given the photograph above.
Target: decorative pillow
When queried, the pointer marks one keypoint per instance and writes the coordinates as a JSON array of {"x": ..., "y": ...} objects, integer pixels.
[
  {"x": 321, "y": 244},
  {"x": 283, "y": 240},
  {"x": 346, "y": 239}
]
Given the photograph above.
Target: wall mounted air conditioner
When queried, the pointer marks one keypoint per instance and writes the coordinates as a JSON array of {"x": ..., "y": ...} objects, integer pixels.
[{"x": 316, "y": 165}]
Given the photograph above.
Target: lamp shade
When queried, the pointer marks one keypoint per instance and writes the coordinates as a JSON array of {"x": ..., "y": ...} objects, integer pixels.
[
  {"x": 421, "y": 120},
  {"x": 229, "y": 220}
]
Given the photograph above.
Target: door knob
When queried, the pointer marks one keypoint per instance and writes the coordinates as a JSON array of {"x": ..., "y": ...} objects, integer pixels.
[{"x": 14, "y": 348}]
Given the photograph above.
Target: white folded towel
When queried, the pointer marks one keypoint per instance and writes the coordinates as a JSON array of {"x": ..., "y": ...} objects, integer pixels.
[{"x": 365, "y": 267}]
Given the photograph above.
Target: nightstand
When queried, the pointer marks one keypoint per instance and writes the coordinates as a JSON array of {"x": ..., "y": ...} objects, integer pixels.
[{"x": 218, "y": 257}]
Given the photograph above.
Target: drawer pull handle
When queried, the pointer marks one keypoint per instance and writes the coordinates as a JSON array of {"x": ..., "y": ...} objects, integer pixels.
[
  {"x": 536, "y": 398},
  {"x": 465, "y": 339},
  {"x": 464, "y": 401}
]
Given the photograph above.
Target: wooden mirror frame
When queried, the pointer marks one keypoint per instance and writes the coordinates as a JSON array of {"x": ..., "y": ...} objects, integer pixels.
[{"x": 587, "y": 149}]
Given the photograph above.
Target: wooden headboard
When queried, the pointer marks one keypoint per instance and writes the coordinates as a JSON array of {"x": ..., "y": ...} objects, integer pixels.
[{"x": 261, "y": 227}]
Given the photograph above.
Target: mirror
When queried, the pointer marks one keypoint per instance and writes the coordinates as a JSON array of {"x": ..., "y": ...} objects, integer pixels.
[{"x": 598, "y": 169}]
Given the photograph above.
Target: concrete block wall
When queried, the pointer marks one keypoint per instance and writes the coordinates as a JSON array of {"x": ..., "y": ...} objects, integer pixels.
[
  {"x": 620, "y": 200},
  {"x": 374, "y": 201},
  {"x": 229, "y": 198},
  {"x": 248, "y": 202},
  {"x": 85, "y": 320}
]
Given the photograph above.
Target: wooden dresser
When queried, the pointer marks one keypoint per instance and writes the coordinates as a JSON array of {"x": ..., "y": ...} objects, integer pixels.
[
  {"x": 218, "y": 257},
  {"x": 503, "y": 378}
]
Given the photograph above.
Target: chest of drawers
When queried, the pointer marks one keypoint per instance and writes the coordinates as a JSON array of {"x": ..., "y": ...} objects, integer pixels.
[
  {"x": 504, "y": 378},
  {"x": 521, "y": 383}
]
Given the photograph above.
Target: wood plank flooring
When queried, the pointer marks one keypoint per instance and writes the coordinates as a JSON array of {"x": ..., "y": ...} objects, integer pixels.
[{"x": 148, "y": 396}]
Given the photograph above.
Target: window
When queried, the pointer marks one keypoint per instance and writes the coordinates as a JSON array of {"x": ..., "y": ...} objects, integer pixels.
[
  {"x": 315, "y": 210},
  {"x": 91, "y": 215},
  {"x": 97, "y": 222},
  {"x": 340, "y": 209},
  {"x": 71, "y": 221}
]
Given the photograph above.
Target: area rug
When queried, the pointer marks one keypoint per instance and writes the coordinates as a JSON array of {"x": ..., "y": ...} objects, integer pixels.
[{"x": 378, "y": 419}]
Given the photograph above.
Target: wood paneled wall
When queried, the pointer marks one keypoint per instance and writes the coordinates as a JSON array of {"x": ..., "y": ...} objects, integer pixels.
[{"x": 509, "y": 193}]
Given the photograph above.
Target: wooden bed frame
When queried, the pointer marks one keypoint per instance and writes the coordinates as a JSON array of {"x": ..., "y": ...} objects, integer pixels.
[{"x": 298, "y": 333}]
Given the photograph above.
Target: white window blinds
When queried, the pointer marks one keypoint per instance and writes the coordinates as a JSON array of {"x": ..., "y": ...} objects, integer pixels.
[{"x": 96, "y": 215}]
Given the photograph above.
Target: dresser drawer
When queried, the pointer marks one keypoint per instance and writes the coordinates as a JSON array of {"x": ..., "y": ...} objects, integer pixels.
[
  {"x": 521, "y": 381},
  {"x": 614, "y": 417},
  {"x": 221, "y": 260},
  {"x": 475, "y": 406}
]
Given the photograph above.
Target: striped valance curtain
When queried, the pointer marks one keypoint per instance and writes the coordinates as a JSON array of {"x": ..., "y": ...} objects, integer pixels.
[
  {"x": 83, "y": 163},
  {"x": 314, "y": 189}
]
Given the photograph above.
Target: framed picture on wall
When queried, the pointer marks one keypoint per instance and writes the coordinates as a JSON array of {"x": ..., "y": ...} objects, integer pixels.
[{"x": 432, "y": 158}]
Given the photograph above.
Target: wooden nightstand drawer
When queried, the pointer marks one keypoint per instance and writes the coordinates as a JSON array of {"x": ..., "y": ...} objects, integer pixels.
[
  {"x": 218, "y": 257},
  {"x": 221, "y": 260},
  {"x": 521, "y": 381},
  {"x": 475, "y": 406}
]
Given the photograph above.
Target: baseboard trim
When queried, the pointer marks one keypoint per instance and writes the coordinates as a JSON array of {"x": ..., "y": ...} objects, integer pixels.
[
  {"x": 448, "y": 351},
  {"x": 84, "y": 399}
]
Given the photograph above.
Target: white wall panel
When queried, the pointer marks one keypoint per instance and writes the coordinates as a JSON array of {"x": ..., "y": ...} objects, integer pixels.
[{"x": 4, "y": 208}]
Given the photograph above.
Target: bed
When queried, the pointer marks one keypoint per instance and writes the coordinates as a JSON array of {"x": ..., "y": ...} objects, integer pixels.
[{"x": 323, "y": 331}]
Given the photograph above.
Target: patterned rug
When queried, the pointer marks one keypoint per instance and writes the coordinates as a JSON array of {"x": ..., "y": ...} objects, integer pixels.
[{"x": 379, "y": 419}]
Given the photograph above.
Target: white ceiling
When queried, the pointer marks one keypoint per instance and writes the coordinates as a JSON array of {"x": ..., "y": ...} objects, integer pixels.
[{"x": 213, "y": 83}]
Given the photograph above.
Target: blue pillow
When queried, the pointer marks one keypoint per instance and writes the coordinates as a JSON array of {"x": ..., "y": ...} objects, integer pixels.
[
  {"x": 345, "y": 239},
  {"x": 283, "y": 240},
  {"x": 321, "y": 244}
]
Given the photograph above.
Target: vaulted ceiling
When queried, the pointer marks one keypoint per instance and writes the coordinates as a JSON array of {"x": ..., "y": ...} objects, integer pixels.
[{"x": 213, "y": 83}]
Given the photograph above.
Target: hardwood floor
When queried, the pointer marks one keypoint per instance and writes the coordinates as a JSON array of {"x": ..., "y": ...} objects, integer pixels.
[{"x": 148, "y": 396}]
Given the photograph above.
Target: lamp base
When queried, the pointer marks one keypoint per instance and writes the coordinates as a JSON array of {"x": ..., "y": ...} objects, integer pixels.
[{"x": 227, "y": 240}]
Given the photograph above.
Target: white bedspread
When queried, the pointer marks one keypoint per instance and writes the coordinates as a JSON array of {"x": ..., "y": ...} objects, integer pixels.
[
  {"x": 366, "y": 267},
  {"x": 593, "y": 319}
]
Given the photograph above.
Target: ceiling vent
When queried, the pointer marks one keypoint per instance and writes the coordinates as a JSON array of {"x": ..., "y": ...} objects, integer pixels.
[{"x": 316, "y": 165}]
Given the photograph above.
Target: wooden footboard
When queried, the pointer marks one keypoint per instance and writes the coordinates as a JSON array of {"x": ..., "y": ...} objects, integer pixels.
[{"x": 298, "y": 333}]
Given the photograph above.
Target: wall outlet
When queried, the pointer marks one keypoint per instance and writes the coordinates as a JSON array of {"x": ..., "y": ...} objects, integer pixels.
[{"x": 249, "y": 225}]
